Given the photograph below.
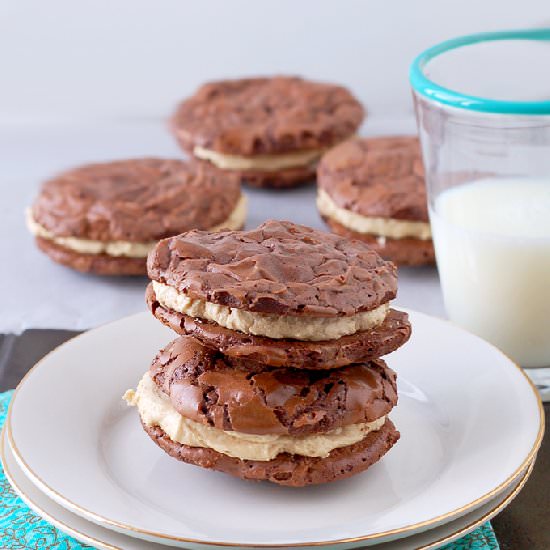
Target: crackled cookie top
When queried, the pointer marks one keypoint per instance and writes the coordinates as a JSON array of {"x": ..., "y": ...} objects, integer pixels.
[
  {"x": 280, "y": 268},
  {"x": 255, "y": 116},
  {"x": 375, "y": 177},
  {"x": 231, "y": 394},
  {"x": 134, "y": 201}
]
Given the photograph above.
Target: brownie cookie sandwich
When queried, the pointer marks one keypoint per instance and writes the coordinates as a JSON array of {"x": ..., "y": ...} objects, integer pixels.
[
  {"x": 276, "y": 374},
  {"x": 373, "y": 189},
  {"x": 280, "y": 295},
  {"x": 269, "y": 131},
  {"x": 289, "y": 426},
  {"x": 105, "y": 218}
]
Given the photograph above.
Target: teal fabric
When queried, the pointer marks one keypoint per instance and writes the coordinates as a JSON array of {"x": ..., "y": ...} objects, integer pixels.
[{"x": 22, "y": 529}]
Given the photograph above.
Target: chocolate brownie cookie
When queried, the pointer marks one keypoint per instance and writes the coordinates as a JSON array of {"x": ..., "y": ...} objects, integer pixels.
[
  {"x": 235, "y": 394},
  {"x": 282, "y": 425},
  {"x": 373, "y": 189},
  {"x": 269, "y": 131},
  {"x": 281, "y": 282},
  {"x": 287, "y": 469},
  {"x": 404, "y": 251},
  {"x": 100, "y": 264},
  {"x": 278, "y": 374},
  {"x": 365, "y": 345},
  {"x": 105, "y": 218},
  {"x": 279, "y": 268}
]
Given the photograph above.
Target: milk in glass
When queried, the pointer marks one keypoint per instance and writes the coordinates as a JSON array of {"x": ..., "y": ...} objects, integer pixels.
[{"x": 492, "y": 241}]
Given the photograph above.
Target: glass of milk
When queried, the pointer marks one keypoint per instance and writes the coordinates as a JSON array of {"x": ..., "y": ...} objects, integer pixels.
[{"x": 483, "y": 110}]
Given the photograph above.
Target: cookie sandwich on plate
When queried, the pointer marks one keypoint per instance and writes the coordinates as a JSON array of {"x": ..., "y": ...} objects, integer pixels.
[{"x": 276, "y": 374}]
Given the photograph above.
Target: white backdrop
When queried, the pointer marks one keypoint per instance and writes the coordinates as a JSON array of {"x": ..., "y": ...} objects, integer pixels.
[
  {"x": 90, "y": 80},
  {"x": 82, "y": 59}
]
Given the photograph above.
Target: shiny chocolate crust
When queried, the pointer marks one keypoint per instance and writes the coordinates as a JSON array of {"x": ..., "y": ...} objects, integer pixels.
[
  {"x": 356, "y": 348},
  {"x": 139, "y": 200},
  {"x": 237, "y": 395},
  {"x": 407, "y": 251},
  {"x": 280, "y": 268},
  {"x": 99, "y": 264},
  {"x": 378, "y": 177},
  {"x": 287, "y": 469},
  {"x": 253, "y": 116}
]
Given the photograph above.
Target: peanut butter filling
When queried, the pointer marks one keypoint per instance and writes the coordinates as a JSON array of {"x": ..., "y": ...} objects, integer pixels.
[
  {"x": 383, "y": 227},
  {"x": 260, "y": 163},
  {"x": 270, "y": 325},
  {"x": 124, "y": 248},
  {"x": 155, "y": 409}
]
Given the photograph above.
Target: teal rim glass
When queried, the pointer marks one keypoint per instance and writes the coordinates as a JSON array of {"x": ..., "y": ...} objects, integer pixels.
[{"x": 422, "y": 85}]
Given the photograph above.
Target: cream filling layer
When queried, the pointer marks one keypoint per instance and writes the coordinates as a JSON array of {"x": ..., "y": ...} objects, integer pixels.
[
  {"x": 384, "y": 227},
  {"x": 267, "y": 324},
  {"x": 261, "y": 163},
  {"x": 124, "y": 248},
  {"x": 155, "y": 409}
]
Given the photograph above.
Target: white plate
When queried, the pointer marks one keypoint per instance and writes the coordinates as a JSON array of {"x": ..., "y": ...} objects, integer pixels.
[
  {"x": 106, "y": 539},
  {"x": 470, "y": 423}
]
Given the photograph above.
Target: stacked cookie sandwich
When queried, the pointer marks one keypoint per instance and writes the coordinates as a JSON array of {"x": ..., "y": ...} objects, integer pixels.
[{"x": 276, "y": 374}]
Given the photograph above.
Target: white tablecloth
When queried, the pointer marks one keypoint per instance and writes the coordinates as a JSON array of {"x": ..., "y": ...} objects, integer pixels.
[{"x": 38, "y": 293}]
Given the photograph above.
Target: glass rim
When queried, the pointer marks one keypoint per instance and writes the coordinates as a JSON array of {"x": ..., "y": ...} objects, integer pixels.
[{"x": 439, "y": 94}]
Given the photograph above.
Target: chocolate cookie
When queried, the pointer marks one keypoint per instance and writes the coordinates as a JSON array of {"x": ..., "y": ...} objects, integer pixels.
[
  {"x": 105, "y": 218},
  {"x": 279, "y": 268},
  {"x": 373, "y": 189},
  {"x": 328, "y": 354},
  {"x": 261, "y": 128},
  {"x": 100, "y": 264},
  {"x": 282, "y": 179},
  {"x": 279, "y": 378},
  {"x": 287, "y": 469},
  {"x": 405, "y": 251},
  {"x": 239, "y": 395}
]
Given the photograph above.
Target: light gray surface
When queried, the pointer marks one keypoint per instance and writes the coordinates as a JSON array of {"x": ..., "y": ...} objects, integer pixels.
[{"x": 41, "y": 294}]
